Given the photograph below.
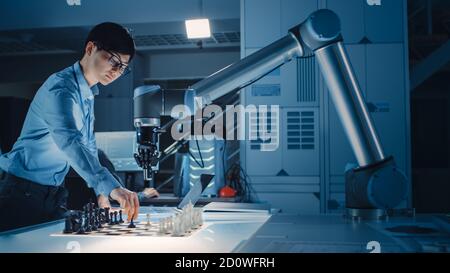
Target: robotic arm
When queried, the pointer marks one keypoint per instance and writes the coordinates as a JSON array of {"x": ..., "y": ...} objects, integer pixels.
[{"x": 375, "y": 184}]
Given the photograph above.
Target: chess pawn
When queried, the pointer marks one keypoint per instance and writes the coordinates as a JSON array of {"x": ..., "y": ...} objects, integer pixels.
[
  {"x": 183, "y": 224},
  {"x": 160, "y": 230},
  {"x": 148, "y": 225},
  {"x": 164, "y": 225},
  {"x": 187, "y": 225},
  {"x": 111, "y": 219},
  {"x": 116, "y": 221},
  {"x": 187, "y": 218},
  {"x": 177, "y": 227},
  {"x": 168, "y": 220},
  {"x": 194, "y": 219},
  {"x": 120, "y": 217},
  {"x": 171, "y": 223},
  {"x": 175, "y": 231},
  {"x": 200, "y": 217}
]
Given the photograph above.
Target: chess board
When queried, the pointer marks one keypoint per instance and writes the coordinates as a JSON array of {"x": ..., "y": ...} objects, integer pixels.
[
  {"x": 123, "y": 230},
  {"x": 94, "y": 221}
]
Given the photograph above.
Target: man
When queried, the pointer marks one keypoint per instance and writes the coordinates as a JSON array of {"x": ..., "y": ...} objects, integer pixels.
[{"x": 58, "y": 134}]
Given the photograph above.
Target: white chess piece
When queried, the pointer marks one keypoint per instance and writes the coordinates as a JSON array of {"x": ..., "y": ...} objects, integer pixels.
[
  {"x": 182, "y": 224},
  {"x": 166, "y": 225},
  {"x": 148, "y": 224},
  {"x": 199, "y": 216},
  {"x": 161, "y": 226},
  {"x": 195, "y": 218},
  {"x": 175, "y": 231},
  {"x": 168, "y": 229},
  {"x": 186, "y": 222},
  {"x": 169, "y": 224},
  {"x": 177, "y": 226}
]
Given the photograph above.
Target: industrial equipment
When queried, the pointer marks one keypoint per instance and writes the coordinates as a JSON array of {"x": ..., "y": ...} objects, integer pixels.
[{"x": 372, "y": 187}]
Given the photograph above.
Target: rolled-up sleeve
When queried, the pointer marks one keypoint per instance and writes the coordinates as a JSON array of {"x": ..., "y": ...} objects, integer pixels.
[{"x": 64, "y": 118}]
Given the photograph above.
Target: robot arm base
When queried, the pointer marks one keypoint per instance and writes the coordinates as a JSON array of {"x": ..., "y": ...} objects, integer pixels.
[{"x": 378, "y": 186}]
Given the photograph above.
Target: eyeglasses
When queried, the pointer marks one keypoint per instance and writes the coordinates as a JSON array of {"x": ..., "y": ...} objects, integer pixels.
[{"x": 115, "y": 61}]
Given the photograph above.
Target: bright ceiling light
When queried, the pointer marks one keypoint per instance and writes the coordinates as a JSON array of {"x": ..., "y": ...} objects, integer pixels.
[{"x": 198, "y": 28}]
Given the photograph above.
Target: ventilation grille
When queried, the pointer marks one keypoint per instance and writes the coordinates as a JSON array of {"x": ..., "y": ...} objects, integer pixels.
[
  {"x": 300, "y": 130},
  {"x": 181, "y": 39},
  {"x": 24, "y": 47},
  {"x": 306, "y": 80},
  {"x": 13, "y": 46},
  {"x": 258, "y": 127}
]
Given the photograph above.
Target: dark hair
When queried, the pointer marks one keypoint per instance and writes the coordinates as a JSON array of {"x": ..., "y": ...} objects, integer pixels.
[{"x": 112, "y": 37}]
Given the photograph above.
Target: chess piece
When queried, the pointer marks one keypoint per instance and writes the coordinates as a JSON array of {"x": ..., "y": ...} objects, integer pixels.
[
  {"x": 131, "y": 225},
  {"x": 68, "y": 225},
  {"x": 94, "y": 220},
  {"x": 161, "y": 226},
  {"x": 120, "y": 217},
  {"x": 77, "y": 221},
  {"x": 91, "y": 214},
  {"x": 101, "y": 215},
  {"x": 107, "y": 218},
  {"x": 115, "y": 218},
  {"x": 87, "y": 224},
  {"x": 200, "y": 217},
  {"x": 176, "y": 226},
  {"x": 111, "y": 219},
  {"x": 86, "y": 219},
  {"x": 148, "y": 225},
  {"x": 169, "y": 225},
  {"x": 81, "y": 229},
  {"x": 98, "y": 217}
]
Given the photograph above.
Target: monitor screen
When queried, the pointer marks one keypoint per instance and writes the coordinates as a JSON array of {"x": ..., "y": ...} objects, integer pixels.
[{"x": 119, "y": 147}]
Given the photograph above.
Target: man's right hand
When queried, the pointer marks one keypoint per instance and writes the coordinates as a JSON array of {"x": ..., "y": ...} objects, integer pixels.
[{"x": 128, "y": 201}]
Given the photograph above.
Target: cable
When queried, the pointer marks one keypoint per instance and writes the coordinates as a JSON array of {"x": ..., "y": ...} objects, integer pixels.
[
  {"x": 249, "y": 189},
  {"x": 223, "y": 162},
  {"x": 165, "y": 182}
]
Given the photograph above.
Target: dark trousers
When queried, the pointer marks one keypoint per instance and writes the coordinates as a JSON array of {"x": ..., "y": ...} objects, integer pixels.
[{"x": 24, "y": 203}]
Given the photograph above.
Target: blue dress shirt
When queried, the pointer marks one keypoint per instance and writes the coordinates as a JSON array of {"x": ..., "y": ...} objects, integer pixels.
[{"x": 58, "y": 133}]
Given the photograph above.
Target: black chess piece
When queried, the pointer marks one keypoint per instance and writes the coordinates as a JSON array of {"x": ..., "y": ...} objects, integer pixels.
[
  {"x": 120, "y": 217},
  {"x": 111, "y": 219},
  {"x": 131, "y": 225},
  {"x": 81, "y": 229},
  {"x": 107, "y": 218},
  {"x": 98, "y": 219},
  {"x": 87, "y": 223},
  {"x": 102, "y": 216},
  {"x": 94, "y": 225},
  {"x": 116, "y": 221},
  {"x": 91, "y": 213},
  {"x": 77, "y": 221},
  {"x": 91, "y": 218},
  {"x": 68, "y": 227}
]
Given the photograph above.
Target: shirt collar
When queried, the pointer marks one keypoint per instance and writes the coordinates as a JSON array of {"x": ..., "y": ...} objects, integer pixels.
[{"x": 86, "y": 91}]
